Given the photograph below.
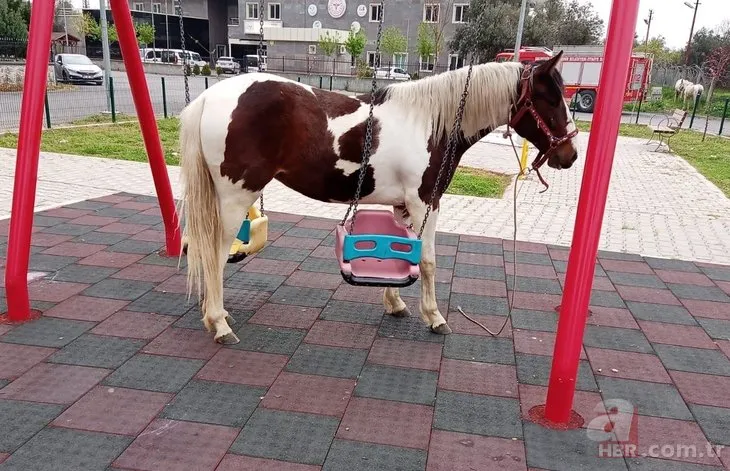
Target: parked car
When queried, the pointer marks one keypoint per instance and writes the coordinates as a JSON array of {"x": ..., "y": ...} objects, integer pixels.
[
  {"x": 393, "y": 73},
  {"x": 228, "y": 64},
  {"x": 77, "y": 68}
]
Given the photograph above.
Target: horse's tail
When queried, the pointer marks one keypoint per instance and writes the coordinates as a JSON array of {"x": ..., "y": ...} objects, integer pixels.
[{"x": 203, "y": 230}]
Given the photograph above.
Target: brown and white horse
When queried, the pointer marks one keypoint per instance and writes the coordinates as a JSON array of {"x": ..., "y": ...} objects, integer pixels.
[{"x": 243, "y": 132}]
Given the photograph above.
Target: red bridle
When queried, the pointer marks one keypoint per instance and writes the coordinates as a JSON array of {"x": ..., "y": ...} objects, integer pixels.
[{"x": 524, "y": 105}]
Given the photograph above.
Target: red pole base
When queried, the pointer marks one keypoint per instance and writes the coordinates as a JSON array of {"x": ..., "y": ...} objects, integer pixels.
[
  {"x": 537, "y": 415},
  {"x": 33, "y": 315}
]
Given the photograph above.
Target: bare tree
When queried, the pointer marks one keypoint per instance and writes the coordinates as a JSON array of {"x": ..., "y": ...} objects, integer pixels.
[{"x": 437, "y": 18}]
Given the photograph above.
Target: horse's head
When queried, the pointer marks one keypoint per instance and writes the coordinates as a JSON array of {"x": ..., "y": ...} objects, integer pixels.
[{"x": 541, "y": 115}]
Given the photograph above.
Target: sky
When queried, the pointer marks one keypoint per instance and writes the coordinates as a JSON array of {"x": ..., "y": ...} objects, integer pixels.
[{"x": 671, "y": 18}]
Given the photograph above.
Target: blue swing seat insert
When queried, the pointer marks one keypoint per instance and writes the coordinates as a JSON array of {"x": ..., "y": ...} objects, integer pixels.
[
  {"x": 244, "y": 233},
  {"x": 382, "y": 247}
]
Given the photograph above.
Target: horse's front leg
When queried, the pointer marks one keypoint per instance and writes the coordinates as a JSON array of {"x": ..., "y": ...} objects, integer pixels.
[
  {"x": 428, "y": 307},
  {"x": 392, "y": 301}
]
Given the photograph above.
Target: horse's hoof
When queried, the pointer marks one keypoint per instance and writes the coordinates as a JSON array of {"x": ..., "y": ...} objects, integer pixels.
[
  {"x": 402, "y": 313},
  {"x": 442, "y": 329},
  {"x": 185, "y": 249},
  {"x": 230, "y": 320},
  {"x": 228, "y": 339},
  {"x": 236, "y": 257}
]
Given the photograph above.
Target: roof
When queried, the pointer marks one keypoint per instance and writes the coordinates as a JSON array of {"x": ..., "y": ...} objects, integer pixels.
[{"x": 60, "y": 35}]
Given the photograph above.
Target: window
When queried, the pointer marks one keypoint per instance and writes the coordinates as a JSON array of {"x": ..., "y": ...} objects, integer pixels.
[
  {"x": 460, "y": 12},
  {"x": 426, "y": 63},
  {"x": 375, "y": 12},
  {"x": 312, "y": 49},
  {"x": 455, "y": 62},
  {"x": 156, "y": 8},
  {"x": 138, "y": 7},
  {"x": 275, "y": 11},
  {"x": 431, "y": 12},
  {"x": 400, "y": 59},
  {"x": 252, "y": 11},
  {"x": 372, "y": 60},
  {"x": 233, "y": 21}
]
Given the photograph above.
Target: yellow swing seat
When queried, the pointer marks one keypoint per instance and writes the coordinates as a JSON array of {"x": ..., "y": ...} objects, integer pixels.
[{"x": 251, "y": 237}]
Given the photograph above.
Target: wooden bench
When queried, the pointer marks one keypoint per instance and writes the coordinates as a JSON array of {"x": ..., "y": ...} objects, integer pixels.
[{"x": 667, "y": 127}]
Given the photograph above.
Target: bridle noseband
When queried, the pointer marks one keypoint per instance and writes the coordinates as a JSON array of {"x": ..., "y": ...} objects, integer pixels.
[{"x": 525, "y": 105}]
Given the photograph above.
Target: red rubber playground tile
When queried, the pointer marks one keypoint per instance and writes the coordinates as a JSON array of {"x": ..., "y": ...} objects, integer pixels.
[
  {"x": 478, "y": 378},
  {"x": 54, "y": 384},
  {"x": 709, "y": 390},
  {"x": 684, "y": 277},
  {"x": 123, "y": 228},
  {"x": 185, "y": 343},
  {"x": 450, "y": 451},
  {"x": 251, "y": 463},
  {"x": 406, "y": 353},
  {"x": 284, "y": 315},
  {"x": 74, "y": 249},
  {"x": 461, "y": 325},
  {"x": 478, "y": 287},
  {"x": 136, "y": 325},
  {"x": 86, "y": 308},
  {"x": 54, "y": 291},
  {"x": 660, "y": 431},
  {"x": 324, "y": 395},
  {"x": 612, "y": 317},
  {"x": 17, "y": 359},
  {"x": 241, "y": 367},
  {"x": 711, "y": 309},
  {"x": 627, "y": 365},
  {"x": 146, "y": 272},
  {"x": 43, "y": 239},
  {"x": 271, "y": 267},
  {"x": 341, "y": 334},
  {"x": 647, "y": 295},
  {"x": 91, "y": 220},
  {"x": 626, "y": 266},
  {"x": 686, "y": 336},
  {"x": 111, "y": 259}
]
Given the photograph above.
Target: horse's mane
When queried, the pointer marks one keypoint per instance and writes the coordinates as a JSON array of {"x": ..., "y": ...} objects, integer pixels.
[{"x": 435, "y": 99}]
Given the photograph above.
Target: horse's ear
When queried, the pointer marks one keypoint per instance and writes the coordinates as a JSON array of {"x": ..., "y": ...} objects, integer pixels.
[{"x": 551, "y": 63}]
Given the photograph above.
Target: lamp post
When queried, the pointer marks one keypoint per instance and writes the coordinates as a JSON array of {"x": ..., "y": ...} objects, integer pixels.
[
  {"x": 692, "y": 28},
  {"x": 520, "y": 26},
  {"x": 648, "y": 26}
]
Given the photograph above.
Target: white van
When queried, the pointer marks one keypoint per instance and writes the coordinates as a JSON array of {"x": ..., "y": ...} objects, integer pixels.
[{"x": 170, "y": 56}]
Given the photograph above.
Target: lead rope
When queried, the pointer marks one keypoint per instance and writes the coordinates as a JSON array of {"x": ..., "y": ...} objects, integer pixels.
[{"x": 511, "y": 300}]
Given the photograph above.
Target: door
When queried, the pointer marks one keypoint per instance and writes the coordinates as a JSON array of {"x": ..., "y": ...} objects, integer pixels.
[
  {"x": 57, "y": 66},
  {"x": 220, "y": 50}
]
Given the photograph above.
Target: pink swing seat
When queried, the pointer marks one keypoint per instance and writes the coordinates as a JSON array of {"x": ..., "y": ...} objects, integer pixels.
[{"x": 380, "y": 252}]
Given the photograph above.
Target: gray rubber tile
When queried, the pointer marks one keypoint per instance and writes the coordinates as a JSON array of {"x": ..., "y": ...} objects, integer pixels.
[
  {"x": 171, "y": 304},
  {"x": 265, "y": 339},
  {"x": 126, "y": 290},
  {"x": 397, "y": 384},
  {"x": 654, "y": 399},
  {"x": 347, "y": 311},
  {"x": 695, "y": 360},
  {"x": 360, "y": 456},
  {"x": 535, "y": 369},
  {"x": 715, "y": 422},
  {"x": 660, "y": 313},
  {"x": 20, "y": 420},
  {"x": 327, "y": 361},
  {"x": 47, "y": 332},
  {"x": 154, "y": 373},
  {"x": 479, "y": 348},
  {"x": 616, "y": 338},
  {"x": 407, "y": 328},
  {"x": 97, "y": 350},
  {"x": 487, "y": 415}
]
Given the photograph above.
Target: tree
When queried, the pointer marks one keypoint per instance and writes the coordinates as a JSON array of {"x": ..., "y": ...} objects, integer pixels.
[
  {"x": 425, "y": 41},
  {"x": 662, "y": 54},
  {"x": 393, "y": 41},
  {"x": 58, "y": 18},
  {"x": 355, "y": 43},
  {"x": 717, "y": 69},
  {"x": 12, "y": 24},
  {"x": 90, "y": 28},
  {"x": 145, "y": 33},
  {"x": 703, "y": 43},
  {"x": 328, "y": 44}
]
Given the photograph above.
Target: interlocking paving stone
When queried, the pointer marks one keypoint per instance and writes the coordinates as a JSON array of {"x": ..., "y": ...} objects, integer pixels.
[
  {"x": 484, "y": 272},
  {"x": 20, "y": 420},
  {"x": 214, "y": 403},
  {"x": 327, "y": 361},
  {"x": 564, "y": 449},
  {"x": 348, "y": 311},
  {"x": 154, "y": 373},
  {"x": 407, "y": 328},
  {"x": 694, "y": 360},
  {"x": 471, "y": 303},
  {"x": 359, "y": 456},
  {"x": 59, "y": 449},
  {"x": 615, "y": 338},
  {"x": 261, "y": 338},
  {"x": 47, "y": 332},
  {"x": 535, "y": 369},
  {"x": 705, "y": 293},
  {"x": 635, "y": 279},
  {"x": 310, "y": 297},
  {"x": 715, "y": 328},
  {"x": 97, "y": 350},
  {"x": 715, "y": 422},
  {"x": 655, "y": 399},
  {"x": 254, "y": 281},
  {"x": 488, "y": 415},
  {"x": 661, "y": 313},
  {"x": 477, "y": 348},
  {"x": 114, "y": 288},
  {"x": 397, "y": 384},
  {"x": 171, "y": 304},
  {"x": 288, "y": 436},
  {"x": 83, "y": 274}
]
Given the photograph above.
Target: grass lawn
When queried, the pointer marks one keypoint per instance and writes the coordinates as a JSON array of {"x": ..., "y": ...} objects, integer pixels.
[
  {"x": 668, "y": 105},
  {"x": 124, "y": 141},
  {"x": 711, "y": 158}
]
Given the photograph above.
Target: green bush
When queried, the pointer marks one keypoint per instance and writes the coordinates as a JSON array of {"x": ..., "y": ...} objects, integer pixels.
[
  {"x": 196, "y": 70},
  {"x": 218, "y": 70},
  {"x": 205, "y": 70}
]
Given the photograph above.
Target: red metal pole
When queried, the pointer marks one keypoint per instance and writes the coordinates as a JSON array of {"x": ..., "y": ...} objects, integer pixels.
[
  {"x": 26, "y": 164},
  {"x": 591, "y": 205},
  {"x": 146, "y": 115}
]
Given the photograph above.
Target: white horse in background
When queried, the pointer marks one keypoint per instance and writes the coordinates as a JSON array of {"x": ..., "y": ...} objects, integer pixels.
[
  {"x": 680, "y": 86},
  {"x": 691, "y": 92}
]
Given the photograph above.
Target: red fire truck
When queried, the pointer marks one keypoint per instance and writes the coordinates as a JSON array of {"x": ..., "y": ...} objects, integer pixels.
[{"x": 581, "y": 70}]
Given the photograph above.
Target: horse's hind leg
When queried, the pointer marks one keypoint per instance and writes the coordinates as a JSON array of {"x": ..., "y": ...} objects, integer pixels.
[
  {"x": 392, "y": 301},
  {"x": 233, "y": 203}
]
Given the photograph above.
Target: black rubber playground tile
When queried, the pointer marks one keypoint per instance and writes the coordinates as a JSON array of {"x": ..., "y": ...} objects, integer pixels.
[
  {"x": 287, "y": 436},
  {"x": 347, "y": 311},
  {"x": 20, "y": 420},
  {"x": 488, "y": 415},
  {"x": 47, "y": 332},
  {"x": 655, "y": 399},
  {"x": 615, "y": 338},
  {"x": 320, "y": 265},
  {"x": 534, "y": 285},
  {"x": 115, "y": 212},
  {"x": 89, "y": 205},
  {"x": 135, "y": 246},
  {"x": 535, "y": 369},
  {"x": 528, "y": 258},
  {"x": 144, "y": 219},
  {"x": 660, "y": 313},
  {"x": 397, "y": 384},
  {"x": 483, "y": 272},
  {"x": 83, "y": 273},
  {"x": 606, "y": 299},
  {"x": 360, "y": 456},
  {"x": 476, "y": 247},
  {"x": 284, "y": 253},
  {"x": 635, "y": 279},
  {"x": 447, "y": 239},
  {"x": 254, "y": 281},
  {"x": 695, "y": 360},
  {"x": 545, "y": 321},
  {"x": 68, "y": 229},
  {"x": 115, "y": 288},
  {"x": 45, "y": 262},
  {"x": 212, "y": 402},
  {"x": 97, "y": 350},
  {"x": 154, "y": 373},
  {"x": 479, "y": 348},
  {"x": 717, "y": 273},
  {"x": 327, "y": 361},
  {"x": 407, "y": 328},
  {"x": 298, "y": 296},
  {"x": 703, "y": 293},
  {"x": 171, "y": 304},
  {"x": 715, "y": 328},
  {"x": 265, "y": 339},
  {"x": 715, "y": 422},
  {"x": 474, "y": 304},
  {"x": 308, "y": 233},
  {"x": 47, "y": 221},
  {"x": 669, "y": 264},
  {"x": 445, "y": 261}
]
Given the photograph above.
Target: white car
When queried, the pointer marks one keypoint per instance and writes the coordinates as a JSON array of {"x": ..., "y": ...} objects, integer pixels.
[
  {"x": 228, "y": 64},
  {"x": 77, "y": 68},
  {"x": 393, "y": 73}
]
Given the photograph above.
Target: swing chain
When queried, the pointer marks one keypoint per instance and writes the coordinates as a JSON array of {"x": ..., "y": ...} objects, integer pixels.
[
  {"x": 184, "y": 52},
  {"x": 369, "y": 126},
  {"x": 450, "y": 148},
  {"x": 260, "y": 53}
]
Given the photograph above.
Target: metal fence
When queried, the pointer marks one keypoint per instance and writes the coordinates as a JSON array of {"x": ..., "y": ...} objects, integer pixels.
[{"x": 319, "y": 65}]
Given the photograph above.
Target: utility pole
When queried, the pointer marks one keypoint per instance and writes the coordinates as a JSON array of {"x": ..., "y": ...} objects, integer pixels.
[
  {"x": 167, "y": 29},
  {"x": 105, "y": 52},
  {"x": 520, "y": 26},
  {"x": 648, "y": 26},
  {"x": 65, "y": 24},
  {"x": 691, "y": 30}
]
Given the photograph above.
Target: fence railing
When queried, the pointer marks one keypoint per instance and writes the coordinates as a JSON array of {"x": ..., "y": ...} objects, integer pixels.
[{"x": 318, "y": 65}]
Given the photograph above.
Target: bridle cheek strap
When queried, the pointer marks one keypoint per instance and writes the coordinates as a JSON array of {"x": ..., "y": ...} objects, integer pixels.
[{"x": 524, "y": 105}]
